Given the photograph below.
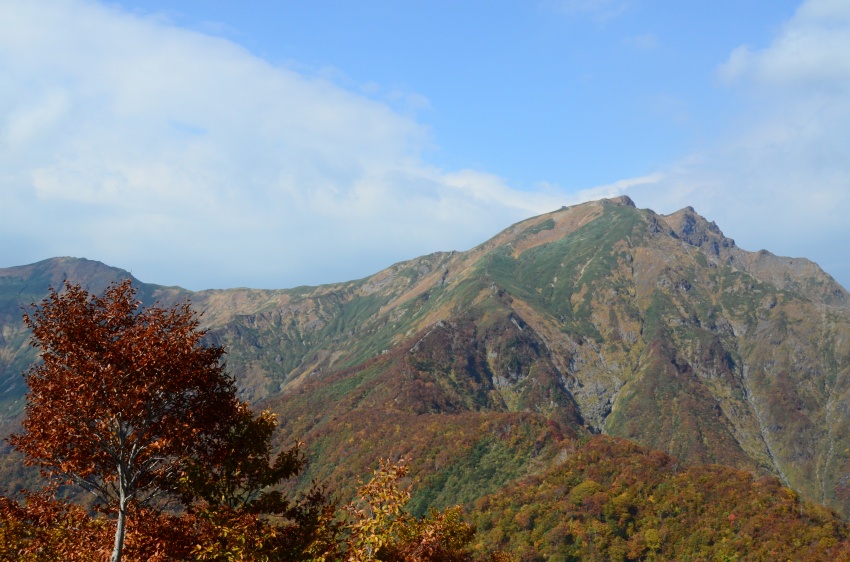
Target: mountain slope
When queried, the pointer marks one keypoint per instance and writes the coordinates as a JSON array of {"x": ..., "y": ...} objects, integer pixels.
[{"x": 596, "y": 318}]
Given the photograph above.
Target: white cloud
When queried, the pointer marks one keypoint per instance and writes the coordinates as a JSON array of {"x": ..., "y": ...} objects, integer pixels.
[
  {"x": 186, "y": 158},
  {"x": 810, "y": 54},
  {"x": 781, "y": 178}
]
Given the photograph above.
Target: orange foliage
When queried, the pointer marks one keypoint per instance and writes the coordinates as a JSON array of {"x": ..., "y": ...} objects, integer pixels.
[{"x": 44, "y": 528}]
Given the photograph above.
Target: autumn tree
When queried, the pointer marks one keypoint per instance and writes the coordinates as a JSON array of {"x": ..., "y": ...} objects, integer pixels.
[
  {"x": 121, "y": 396},
  {"x": 380, "y": 529}
]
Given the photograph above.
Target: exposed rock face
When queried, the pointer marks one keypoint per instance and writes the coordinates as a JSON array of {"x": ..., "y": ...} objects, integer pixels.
[
  {"x": 596, "y": 318},
  {"x": 697, "y": 231}
]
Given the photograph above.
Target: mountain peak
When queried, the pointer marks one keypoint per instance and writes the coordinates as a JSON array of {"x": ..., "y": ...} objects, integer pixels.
[
  {"x": 621, "y": 201},
  {"x": 56, "y": 270},
  {"x": 694, "y": 229}
]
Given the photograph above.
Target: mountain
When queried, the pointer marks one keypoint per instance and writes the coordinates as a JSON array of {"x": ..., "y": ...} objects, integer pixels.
[
  {"x": 489, "y": 365},
  {"x": 21, "y": 286}
]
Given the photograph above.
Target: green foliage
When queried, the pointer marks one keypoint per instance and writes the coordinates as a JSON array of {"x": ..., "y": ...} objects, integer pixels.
[
  {"x": 489, "y": 465},
  {"x": 236, "y": 470}
]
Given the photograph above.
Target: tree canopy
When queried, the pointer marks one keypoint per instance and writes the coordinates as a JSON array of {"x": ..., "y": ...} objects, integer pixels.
[{"x": 121, "y": 395}]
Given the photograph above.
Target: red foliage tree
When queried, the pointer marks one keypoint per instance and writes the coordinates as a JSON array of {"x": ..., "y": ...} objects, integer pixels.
[{"x": 122, "y": 395}]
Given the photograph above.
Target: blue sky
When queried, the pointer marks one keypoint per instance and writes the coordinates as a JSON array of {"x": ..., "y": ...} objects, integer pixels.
[{"x": 273, "y": 144}]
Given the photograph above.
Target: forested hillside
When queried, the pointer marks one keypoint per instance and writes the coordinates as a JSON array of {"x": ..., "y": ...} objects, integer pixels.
[{"x": 612, "y": 500}]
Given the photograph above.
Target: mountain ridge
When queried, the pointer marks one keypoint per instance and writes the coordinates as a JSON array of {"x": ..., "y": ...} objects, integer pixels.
[{"x": 600, "y": 317}]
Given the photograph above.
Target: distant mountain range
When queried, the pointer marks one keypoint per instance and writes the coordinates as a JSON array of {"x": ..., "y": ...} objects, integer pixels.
[{"x": 490, "y": 365}]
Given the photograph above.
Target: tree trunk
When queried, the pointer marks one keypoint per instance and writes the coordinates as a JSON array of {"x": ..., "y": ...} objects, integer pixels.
[{"x": 119, "y": 532}]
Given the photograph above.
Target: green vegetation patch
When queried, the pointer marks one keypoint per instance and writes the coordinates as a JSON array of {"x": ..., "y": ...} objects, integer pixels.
[
  {"x": 547, "y": 276},
  {"x": 491, "y": 463}
]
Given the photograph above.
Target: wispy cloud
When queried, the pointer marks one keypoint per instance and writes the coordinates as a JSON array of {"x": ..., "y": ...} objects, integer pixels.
[
  {"x": 186, "y": 158},
  {"x": 810, "y": 55},
  {"x": 780, "y": 178},
  {"x": 618, "y": 187}
]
